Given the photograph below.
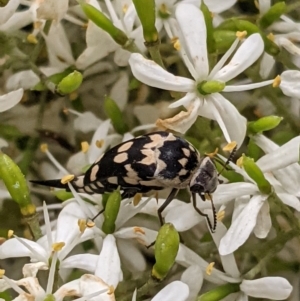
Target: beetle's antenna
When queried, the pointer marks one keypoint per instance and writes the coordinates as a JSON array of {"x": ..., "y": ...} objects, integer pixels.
[{"x": 229, "y": 159}]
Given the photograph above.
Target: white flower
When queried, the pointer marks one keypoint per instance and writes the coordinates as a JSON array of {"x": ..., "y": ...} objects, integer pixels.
[
  {"x": 9, "y": 100},
  {"x": 55, "y": 245},
  {"x": 275, "y": 288},
  {"x": 87, "y": 286},
  {"x": 252, "y": 214},
  {"x": 194, "y": 53}
]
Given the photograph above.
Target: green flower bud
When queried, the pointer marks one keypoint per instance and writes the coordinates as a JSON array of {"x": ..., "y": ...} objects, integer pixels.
[
  {"x": 209, "y": 87},
  {"x": 111, "y": 212},
  {"x": 55, "y": 79},
  {"x": 166, "y": 249},
  {"x": 234, "y": 24},
  {"x": 114, "y": 113},
  {"x": 220, "y": 292},
  {"x": 70, "y": 83},
  {"x": 223, "y": 40},
  {"x": 103, "y": 22},
  {"x": 272, "y": 15},
  {"x": 15, "y": 183},
  {"x": 256, "y": 174},
  {"x": 263, "y": 124},
  {"x": 209, "y": 27},
  {"x": 146, "y": 12}
]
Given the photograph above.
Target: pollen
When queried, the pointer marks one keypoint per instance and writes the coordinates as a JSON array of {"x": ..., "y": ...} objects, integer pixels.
[
  {"x": 164, "y": 9},
  {"x": 209, "y": 268},
  {"x": 99, "y": 143},
  {"x": 82, "y": 224},
  {"x": 230, "y": 146},
  {"x": 66, "y": 111},
  {"x": 220, "y": 215},
  {"x": 85, "y": 146},
  {"x": 137, "y": 198},
  {"x": 73, "y": 95},
  {"x": 57, "y": 246},
  {"x": 239, "y": 162},
  {"x": 176, "y": 44},
  {"x": 125, "y": 8},
  {"x": 10, "y": 233},
  {"x": 32, "y": 39},
  {"x": 271, "y": 37},
  {"x": 138, "y": 230},
  {"x": 66, "y": 179},
  {"x": 111, "y": 290},
  {"x": 90, "y": 224},
  {"x": 241, "y": 34},
  {"x": 211, "y": 155},
  {"x": 276, "y": 82},
  {"x": 44, "y": 147},
  {"x": 2, "y": 272}
]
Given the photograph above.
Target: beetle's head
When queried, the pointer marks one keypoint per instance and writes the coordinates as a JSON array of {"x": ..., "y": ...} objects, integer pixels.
[{"x": 205, "y": 180}]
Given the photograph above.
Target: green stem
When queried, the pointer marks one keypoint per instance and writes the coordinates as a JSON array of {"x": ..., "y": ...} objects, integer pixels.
[
  {"x": 34, "y": 226},
  {"x": 153, "y": 49}
]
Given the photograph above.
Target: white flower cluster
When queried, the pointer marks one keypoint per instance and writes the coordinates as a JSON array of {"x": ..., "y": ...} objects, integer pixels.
[{"x": 39, "y": 50}]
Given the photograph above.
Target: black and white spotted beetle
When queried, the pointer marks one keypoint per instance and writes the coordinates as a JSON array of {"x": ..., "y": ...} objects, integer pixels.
[{"x": 146, "y": 163}]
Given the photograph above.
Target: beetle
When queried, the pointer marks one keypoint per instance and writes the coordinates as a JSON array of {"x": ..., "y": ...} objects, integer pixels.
[{"x": 150, "y": 162}]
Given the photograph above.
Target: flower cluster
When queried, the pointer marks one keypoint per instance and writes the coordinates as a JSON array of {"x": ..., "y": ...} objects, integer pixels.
[{"x": 78, "y": 79}]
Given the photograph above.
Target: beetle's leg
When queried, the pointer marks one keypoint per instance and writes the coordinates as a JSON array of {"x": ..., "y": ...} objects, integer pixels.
[
  {"x": 211, "y": 227},
  {"x": 165, "y": 204}
]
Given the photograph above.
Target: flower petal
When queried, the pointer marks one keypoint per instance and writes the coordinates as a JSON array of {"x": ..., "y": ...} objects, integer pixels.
[
  {"x": 176, "y": 290},
  {"x": 228, "y": 261},
  {"x": 80, "y": 261},
  {"x": 193, "y": 38},
  {"x": 290, "y": 83},
  {"x": 109, "y": 266},
  {"x": 276, "y": 288},
  {"x": 183, "y": 120},
  {"x": 263, "y": 222},
  {"x": 14, "y": 248},
  {"x": 283, "y": 156},
  {"x": 9, "y": 100},
  {"x": 188, "y": 277},
  {"x": 8, "y": 10},
  {"x": 232, "y": 123},
  {"x": 183, "y": 217},
  {"x": 246, "y": 55},
  {"x": 52, "y": 9},
  {"x": 143, "y": 235},
  {"x": 242, "y": 226},
  {"x": 152, "y": 74},
  {"x": 217, "y": 6},
  {"x": 228, "y": 192}
]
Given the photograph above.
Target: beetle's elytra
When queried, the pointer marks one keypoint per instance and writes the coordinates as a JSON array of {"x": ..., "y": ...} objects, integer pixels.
[{"x": 146, "y": 163}]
